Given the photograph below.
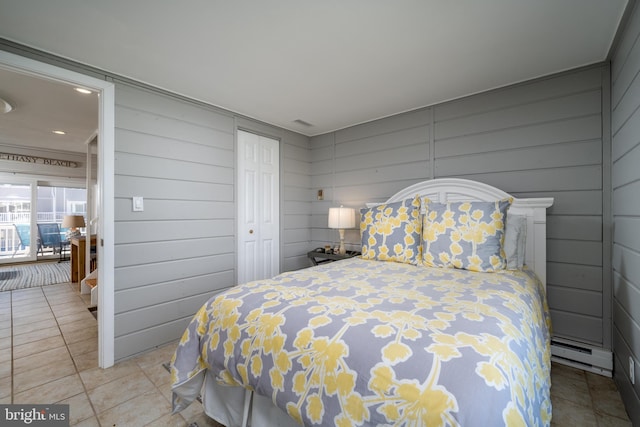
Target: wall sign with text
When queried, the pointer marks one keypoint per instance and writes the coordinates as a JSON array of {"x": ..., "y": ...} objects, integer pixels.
[{"x": 37, "y": 160}]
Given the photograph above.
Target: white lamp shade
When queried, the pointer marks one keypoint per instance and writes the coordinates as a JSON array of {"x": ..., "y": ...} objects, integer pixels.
[{"x": 342, "y": 218}]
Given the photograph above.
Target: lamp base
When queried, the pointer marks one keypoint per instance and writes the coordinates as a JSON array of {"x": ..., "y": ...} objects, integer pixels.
[
  {"x": 342, "y": 250},
  {"x": 73, "y": 232}
]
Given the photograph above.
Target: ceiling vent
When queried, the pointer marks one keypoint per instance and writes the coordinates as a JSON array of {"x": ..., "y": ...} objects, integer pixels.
[{"x": 303, "y": 123}]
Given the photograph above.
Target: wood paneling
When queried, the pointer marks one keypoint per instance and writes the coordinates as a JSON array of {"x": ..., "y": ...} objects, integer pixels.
[
  {"x": 540, "y": 134},
  {"x": 585, "y": 277},
  {"x": 170, "y": 290},
  {"x": 574, "y": 227},
  {"x": 560, "y": 108},
  {"x": 520, "y": 159},
  {"x": 530, "y": 92},
  {"x": 627, "y": 168},
  {"x": 571, "y": 300},
  {"x": 181, "y": 249},
  {"x": 537, "y": 139},
  {"x": 626, "y": 232},
  {"x": 541, "y": 139},
  {"x": 625, "y": 131},
  {"x": 578, "y": 327},
  {"x": 365, "y": 163}
]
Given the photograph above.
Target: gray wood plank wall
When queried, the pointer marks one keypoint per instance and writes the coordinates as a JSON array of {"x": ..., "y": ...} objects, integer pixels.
[
  {"x": 366, "y": 163},
  {"x": 540, "y": 138},
  {"x": 537, "y": 139},
  {"x": 625, "y": 178},
  {"x": 179, "y": 155},
  {"x": 170, "y": 258}
]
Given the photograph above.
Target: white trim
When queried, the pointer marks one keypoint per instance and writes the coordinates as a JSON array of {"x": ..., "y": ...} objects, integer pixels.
[
  {"x": 457, "y": 189},
  {"x": 106, "y": 144},
  {"x": 106, "y": 227}
]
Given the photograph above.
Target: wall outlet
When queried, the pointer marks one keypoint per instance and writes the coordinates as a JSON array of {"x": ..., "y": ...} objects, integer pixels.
[{"x": 632, "y": 370}]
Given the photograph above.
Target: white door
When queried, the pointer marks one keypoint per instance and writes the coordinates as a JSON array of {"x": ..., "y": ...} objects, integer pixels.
[{"x": 258, "y": 207}]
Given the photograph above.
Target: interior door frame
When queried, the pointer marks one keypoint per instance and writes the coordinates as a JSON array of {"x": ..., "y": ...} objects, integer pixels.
[{"x": 106, "y": 147}]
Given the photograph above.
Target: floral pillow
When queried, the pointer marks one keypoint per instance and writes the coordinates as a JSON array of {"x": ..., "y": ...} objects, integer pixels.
[
  {"x": 466, "y": 235},
  {"x": 391, "y": 232}
]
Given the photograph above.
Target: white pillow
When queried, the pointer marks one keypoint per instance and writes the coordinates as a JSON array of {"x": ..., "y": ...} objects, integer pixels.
[{"x": 514, "y": 241}]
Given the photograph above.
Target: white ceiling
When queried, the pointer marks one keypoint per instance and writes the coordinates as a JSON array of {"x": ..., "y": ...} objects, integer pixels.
[
  {"x": 329, "y": 63},
  {"x": 42, "y": 106}
]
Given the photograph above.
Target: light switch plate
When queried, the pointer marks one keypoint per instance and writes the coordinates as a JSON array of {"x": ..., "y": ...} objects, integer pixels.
[{"x": 138, "y": 204}]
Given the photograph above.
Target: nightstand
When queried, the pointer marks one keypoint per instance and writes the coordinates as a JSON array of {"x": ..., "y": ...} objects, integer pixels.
[{"x": 318, "y": 258}]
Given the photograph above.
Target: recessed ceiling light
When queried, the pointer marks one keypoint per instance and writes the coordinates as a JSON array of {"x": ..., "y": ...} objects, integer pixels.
[
  {"x": 59, "y": 132},
  {"x": 83, "y": 90}
]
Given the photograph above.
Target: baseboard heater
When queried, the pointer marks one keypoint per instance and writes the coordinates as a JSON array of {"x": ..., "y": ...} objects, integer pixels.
[{"x": 582, "y": 356}]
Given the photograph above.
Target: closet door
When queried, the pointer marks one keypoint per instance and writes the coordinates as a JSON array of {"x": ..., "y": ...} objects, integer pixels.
[{"x": 258, "y": 207}]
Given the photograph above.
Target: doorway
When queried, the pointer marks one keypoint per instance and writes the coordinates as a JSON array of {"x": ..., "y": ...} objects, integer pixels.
[
  {"x": 258, "y": 177},
  {"x": 105, "y": 177}
]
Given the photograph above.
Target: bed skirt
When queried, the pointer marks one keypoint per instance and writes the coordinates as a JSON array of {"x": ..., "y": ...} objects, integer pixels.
[{"x": 237, "y": 407}]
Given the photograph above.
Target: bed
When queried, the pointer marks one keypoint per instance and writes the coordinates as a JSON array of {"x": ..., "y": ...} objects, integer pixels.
[{"x": 442, "y": 321}]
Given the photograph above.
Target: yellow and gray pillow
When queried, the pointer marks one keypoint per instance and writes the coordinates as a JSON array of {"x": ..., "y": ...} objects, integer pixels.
[
  {"x": 466, "y": 235},
  {"x": 391, "y": 232}
]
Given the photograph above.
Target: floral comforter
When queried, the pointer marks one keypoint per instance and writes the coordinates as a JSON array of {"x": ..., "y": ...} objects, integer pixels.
[{"x": 361, "y": 342}]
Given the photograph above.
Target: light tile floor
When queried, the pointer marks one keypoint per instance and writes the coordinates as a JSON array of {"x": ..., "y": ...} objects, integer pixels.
[{"x": 48, "y": 354}]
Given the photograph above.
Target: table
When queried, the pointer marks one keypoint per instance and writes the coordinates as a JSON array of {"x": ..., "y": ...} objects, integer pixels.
[
  {"x": 78, "y": 251},
  {"x": 317, "y": 257}
]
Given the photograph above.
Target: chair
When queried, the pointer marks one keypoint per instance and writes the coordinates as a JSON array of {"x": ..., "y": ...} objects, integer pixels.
[
  {"x": 50, "y": 237},
  {"x": 66, "y": 243},
  {"x": 24, "y": 235}
]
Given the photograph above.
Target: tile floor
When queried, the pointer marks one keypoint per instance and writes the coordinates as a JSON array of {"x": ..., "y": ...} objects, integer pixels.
[{"x": 48, "y": 354}]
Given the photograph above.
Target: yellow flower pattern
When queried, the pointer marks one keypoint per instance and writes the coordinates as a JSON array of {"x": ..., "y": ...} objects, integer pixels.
[
  {"x": 360, "y": 342},
  {"x": 466, "y": 235},
  {"x": 391, "y": 232}
]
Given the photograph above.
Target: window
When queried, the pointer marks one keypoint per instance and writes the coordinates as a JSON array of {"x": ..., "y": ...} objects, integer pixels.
[
  {"x": 51, "y": 204},
  {"x": 77, "y": 208},
  {"x": 56, "y": 202}
]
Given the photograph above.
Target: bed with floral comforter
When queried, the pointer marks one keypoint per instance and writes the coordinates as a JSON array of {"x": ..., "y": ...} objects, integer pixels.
[{"x": 361, "y": 342}]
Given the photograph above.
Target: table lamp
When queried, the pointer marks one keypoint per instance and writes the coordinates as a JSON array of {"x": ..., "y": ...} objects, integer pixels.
[
  {"x": 73, "y": 222},
  {"x": 341, "y": 218}
]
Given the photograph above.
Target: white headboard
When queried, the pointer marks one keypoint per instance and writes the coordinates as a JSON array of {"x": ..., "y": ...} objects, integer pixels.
[{"x": 461, "y": 190}]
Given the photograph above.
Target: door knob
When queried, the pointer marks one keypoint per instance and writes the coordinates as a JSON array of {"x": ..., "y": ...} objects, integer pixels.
[{"x": 250, "y": 231}]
